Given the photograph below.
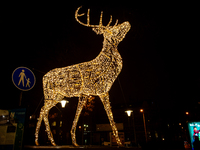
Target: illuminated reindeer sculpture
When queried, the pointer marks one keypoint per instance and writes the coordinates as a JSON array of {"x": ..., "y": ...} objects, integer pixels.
[{"x": 83, "y": 80}]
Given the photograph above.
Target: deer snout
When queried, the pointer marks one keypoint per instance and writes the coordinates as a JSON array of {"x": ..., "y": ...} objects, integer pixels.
[{"x": 126, "y": 25}]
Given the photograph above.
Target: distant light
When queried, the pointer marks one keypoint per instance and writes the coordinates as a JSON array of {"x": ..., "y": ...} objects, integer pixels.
[
  {"x": 163, "y": 139},
  {"x": 85, "y": 125},
  {"x": 129, "y": 112},
  {"x": 54, "y": 123},
  {"x": 141, "y": 110},
  {"x": 156, "y": 134},
  {"x": 180, "y": 124},
  {"x": 79, "y": 127},
  {"x": 63, "y": 103},
  {"x": 187, "y": 113}
]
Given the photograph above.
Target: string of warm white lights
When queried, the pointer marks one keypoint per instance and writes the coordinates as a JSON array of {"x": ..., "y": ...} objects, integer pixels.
[{"x": 85, "y": 79}]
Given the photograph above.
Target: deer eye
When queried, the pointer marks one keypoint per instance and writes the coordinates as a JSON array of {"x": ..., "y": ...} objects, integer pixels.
[{"x": 115, "y": 32}]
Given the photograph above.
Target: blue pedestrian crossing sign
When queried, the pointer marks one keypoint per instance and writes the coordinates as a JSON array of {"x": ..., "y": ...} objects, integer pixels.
[{"x": 23, "y": 78}]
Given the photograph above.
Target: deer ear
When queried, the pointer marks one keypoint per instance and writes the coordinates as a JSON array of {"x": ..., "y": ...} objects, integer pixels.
[{"x": 98, "y": 30}]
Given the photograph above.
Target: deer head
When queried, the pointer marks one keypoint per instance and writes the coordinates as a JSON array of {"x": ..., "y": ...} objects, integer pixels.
[{"x": 114, "y": 34}]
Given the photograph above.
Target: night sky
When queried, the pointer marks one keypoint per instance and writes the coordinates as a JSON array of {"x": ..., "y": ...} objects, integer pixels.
[{"x": 160, "y": 59}]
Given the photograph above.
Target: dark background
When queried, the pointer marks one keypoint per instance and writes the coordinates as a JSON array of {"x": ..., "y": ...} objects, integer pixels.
[{"x": 160, "y": 56}]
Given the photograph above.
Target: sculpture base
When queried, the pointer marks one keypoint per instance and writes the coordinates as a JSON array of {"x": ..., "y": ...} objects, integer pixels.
[{"x": 29, "y": 147}]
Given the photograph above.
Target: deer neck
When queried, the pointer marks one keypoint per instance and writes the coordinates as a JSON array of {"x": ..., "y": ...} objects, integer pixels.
[{"x": 110, "y": 49}]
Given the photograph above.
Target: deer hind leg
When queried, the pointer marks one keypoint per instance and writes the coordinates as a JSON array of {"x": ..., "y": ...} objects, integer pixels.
[
  {"x": 38, "y": 125},
  {"x": 82, "y": 101},
  {"x": 105, "y": 100}
]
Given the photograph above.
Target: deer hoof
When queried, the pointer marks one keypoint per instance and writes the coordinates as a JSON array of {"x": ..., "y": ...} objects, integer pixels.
[
  {"x": 75, "y": 144},
  {"x": 36, "y": 143},
  {"x": 53, "y": 143},
  {"x": 120, "y": 144}
]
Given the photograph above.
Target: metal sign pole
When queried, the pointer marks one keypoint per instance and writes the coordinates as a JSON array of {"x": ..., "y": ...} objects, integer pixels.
[{"x": 20, "y": 98}]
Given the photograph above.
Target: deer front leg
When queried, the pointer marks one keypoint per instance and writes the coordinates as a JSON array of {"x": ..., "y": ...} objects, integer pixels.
[
  {"x": 82, "y": 101},
  {"x": 48, "y": 105},
  {"x": 106, "y": 103}
]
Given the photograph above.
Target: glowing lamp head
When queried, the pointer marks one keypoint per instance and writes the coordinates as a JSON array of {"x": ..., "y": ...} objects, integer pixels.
[
  {"x": 141, "y": 110},
  {"x": 63, "y": 103},
  {"x": 129, "y": 112}
]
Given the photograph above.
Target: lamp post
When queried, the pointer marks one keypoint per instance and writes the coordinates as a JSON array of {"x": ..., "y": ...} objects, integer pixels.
[
  {"x": 129, "y": 114},
  {"x": 142, "y": 111},
  {"x": 187, "y": 116}
]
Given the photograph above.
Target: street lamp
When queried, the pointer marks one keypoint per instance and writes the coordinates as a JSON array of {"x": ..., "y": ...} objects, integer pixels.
[
  {"x": 63, "y": 103},
  {"x": 145, "y": 130},
  {"x": 129, "y": 112}
]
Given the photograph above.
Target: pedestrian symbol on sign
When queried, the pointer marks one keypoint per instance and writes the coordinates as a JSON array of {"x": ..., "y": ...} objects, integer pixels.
[
  {"x": 28, "y": 82},
  {"x": 23, "y": 78},
  {"x": 22, "y": 75}
]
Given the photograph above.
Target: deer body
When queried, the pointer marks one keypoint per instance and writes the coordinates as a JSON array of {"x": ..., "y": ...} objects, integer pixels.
[
  {"x": 83, "y": 80},
  {"x": 81, "y": 77}
]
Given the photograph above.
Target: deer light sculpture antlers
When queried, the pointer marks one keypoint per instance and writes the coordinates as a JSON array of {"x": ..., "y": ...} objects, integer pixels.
[{"x": 86, "y": 79}]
